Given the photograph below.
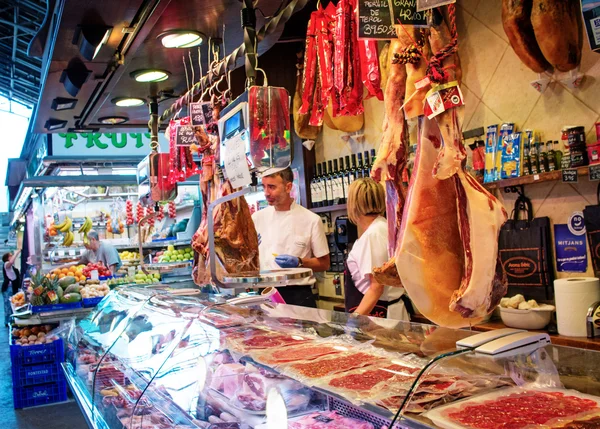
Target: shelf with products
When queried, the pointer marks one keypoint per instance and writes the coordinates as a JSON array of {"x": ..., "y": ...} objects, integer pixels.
[
  {"x": 534, "y": 178},
  {"x": 199, "y": 361},
  {"x": 328, "y": 209}
]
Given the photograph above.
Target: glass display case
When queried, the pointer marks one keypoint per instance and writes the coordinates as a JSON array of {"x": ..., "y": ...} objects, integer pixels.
[{"x": 147, "y": 359}]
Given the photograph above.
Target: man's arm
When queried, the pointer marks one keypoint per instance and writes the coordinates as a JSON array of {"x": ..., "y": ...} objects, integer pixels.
[
  {"x": 317, "y": 264},
  {"x": 12, "y": 260}
]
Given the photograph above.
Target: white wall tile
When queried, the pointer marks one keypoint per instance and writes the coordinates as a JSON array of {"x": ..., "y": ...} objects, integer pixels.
[{"x": 488, "y": 12}]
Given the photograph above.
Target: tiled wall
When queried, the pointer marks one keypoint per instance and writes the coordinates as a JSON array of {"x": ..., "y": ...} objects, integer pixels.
[{"x": 497, "y": 89}]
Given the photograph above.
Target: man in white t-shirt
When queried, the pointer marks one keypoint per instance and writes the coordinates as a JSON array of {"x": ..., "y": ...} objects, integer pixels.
[{"x": 290, "y": 236}]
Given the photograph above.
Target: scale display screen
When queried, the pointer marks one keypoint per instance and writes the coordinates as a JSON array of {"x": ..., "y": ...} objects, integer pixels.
[{"x": 234, "y": 124}]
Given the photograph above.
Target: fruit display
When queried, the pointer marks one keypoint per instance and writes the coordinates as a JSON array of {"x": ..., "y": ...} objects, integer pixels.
[
  {"x": 174, "y": 255},
  {"x": 33, "y": 335},
  {"x": 75, "y": 271},
  {"x": 172, "y": 210},
  {"x": 47, "y": 291},
  {"x": 114, "y": 226},
  {"x": 143, "y": 278},
  {"x": 129, "y": 212},
  {"x": 94, "y": 291},
  {"x": 139, "y": 212},
  {"x": 85, "y": 227},
  {"x": 118, "y": 281},
  {"x": 65, "y": 228},
  {"x": 99, "y": 266},
  {"x": 129, "y": 256},
  {"x": 18, "y": 299},
  {"x": 161, "y": 213}
]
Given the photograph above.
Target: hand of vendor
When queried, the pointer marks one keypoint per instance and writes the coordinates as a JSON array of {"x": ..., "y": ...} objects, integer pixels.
[{"x": 287, "y": 261}]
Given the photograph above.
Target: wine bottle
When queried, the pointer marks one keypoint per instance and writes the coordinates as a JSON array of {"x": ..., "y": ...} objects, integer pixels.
[
  {"x": 319, "y": 186},
  {"x": 558, "y": 154},
  {"x": 336, "y": 183},
  {"x": 313, "y": 191},
  {"x": 325, "y": 186},
  {"x": 373, "y": 158},
  {"x": 354, "y": 172},
  {"x": 342, "y": 180},
  {"x": 330, "y": 183},
  {"x": 366, "y": 165},
  {"x": 359, "y": 166},
  {"x": 550, "y": 155},
  {"x": 542, "y": 157},
  {"x": 348, "y": 177},
  {"x": 533, "y": 155}
]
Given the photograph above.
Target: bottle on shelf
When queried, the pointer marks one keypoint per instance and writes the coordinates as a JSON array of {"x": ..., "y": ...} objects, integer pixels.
[
  {"x": 353, "y": 171},
  {"x": 348, "y": 176},
  {"x": 324, "y": 186},
  {"x": 359, "y": 166},
  {"x": 336, "y": 183},
  {"x": 373, "y": 158},
  {"x": 543, "y": 158},
  {"x": 319, "y": 186},
  {"x": 366, "y": 164},
  {"x": 533, "y": 155},
  {"x": 314, "y": 197},
  {"x": 526, "y": 159},
  {"x": 330, "y": 183},
  {"x": 342, "y": 180},
  {"x": 551, "y": 156},
  {"x": 558, "y": 154}
]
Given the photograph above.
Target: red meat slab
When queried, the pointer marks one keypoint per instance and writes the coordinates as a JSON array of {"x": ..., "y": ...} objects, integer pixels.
[
  {"x": 368, "y": 379},
  {"x": 293, "y": 354},
  {"x": 323, "y": 367}
]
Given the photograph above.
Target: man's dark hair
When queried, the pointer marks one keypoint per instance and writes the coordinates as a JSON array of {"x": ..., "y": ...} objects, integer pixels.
[
  {"x": 6, "y": 257},
  {"x": 286, "y": 175}
]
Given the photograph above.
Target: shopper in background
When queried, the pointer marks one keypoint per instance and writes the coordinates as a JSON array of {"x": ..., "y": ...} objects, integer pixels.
[
  {"x": 12, "y": 278},
  {"x": 87, "y": 257},
  {"x": 363, "y": 294},
  {"x": 105, "y": 253},
  {"x": 290, "y": 236}
]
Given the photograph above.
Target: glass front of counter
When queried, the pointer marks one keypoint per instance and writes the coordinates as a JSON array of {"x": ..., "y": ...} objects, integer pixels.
[{"x": 146, "y": 359}]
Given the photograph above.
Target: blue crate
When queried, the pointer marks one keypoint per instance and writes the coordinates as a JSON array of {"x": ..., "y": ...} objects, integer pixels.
[
  {"x": 29, "y": 375},
  {"x": 92, "y": 302},
  {"x": 39, "y": 395},
  {"x": 55, "y": 307},
  {"x": 39, "y": 353}
]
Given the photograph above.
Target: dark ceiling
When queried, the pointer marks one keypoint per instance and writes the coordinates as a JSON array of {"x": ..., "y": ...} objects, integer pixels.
[
  {"x": 19, "y": 72},
  {"x": 138, "y": 48}
]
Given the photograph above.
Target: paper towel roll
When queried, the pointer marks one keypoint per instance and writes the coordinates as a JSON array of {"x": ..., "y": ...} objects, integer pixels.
[{"x": 573, "y": 298}]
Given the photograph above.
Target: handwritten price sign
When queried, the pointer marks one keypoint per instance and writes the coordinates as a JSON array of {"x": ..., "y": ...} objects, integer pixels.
[{"x": 185, "y": 135}]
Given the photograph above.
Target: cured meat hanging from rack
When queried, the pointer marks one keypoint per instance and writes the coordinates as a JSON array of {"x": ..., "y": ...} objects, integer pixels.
[
  {"x": 301, "y": 121},
  {"x": 180, "y": 157}
]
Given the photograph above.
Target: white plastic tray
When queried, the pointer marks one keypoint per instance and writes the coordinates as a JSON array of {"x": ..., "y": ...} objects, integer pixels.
[{"x": 437, "y": 415}]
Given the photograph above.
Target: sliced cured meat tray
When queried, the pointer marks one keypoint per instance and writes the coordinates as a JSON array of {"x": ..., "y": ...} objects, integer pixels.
[
  {"x": 517, "y": 408},
  {"x": 294, "y": 353}
]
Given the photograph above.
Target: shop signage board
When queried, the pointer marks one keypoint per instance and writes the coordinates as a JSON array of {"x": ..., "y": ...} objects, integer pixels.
[
  {"x": 103, "y": 144},
  {"x": 569, "y": 175},
  {"x": 594, "y": 172},
  {"x": 405, "y": 12},
  {"x": 430, "y": 4},
  {"x": 201, "y": 113},
  {"x": 374, "y": 20},
  {"x": 236, "y": 164},
  {"x": 570, "y": 245},
  {"x": 185, "y": 135}
]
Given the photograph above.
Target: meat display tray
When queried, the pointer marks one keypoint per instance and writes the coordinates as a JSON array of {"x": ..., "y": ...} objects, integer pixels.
[
  {"x": 437, "y": 415},
  {"x": 279, "y": 277}
]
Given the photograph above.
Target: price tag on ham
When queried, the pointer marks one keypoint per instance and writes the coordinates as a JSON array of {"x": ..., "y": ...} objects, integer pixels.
[
  {"x": 236, "y": 165},
  {"x": 185, "y": 135},
  {"x": 201, "y": 113},
  {"x": 442, "y": 98},
  {"x": 430, "y": 4}
]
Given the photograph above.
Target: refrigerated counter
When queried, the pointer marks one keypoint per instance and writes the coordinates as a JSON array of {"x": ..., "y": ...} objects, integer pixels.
[{"x": 147, "y": 359}]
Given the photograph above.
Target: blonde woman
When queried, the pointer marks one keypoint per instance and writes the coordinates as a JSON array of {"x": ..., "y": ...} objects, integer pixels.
[{"x": 363, "y": 294}]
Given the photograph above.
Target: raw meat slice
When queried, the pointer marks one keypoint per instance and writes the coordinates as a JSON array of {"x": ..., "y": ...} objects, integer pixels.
[
  {"x": 561, "y": 48},
  {"x": 516, "y": 20},
  {"x": 519, "y": 410},
  {"x": 271, "y": 340},
  {"x": 323, "y": 366},
  {"x": 293, "y": 354},
  {"x": 328, "y": 420},
  {"x": 366, "y": 380},
  {"x": 228, "y": 378}
]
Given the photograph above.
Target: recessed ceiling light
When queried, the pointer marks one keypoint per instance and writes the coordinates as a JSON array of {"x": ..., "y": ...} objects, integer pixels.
[
  {"x": 83, "y": 130},
  {"x": 55, "y": 124},
  {"x": 113, "y": 120},
  {"x": 90, "y": 39},
  {"x": 150, "y": 75},
  {"x": 60, "y": 103},
  {"x": 181, "y": 38},
  {"x": 128, "y": 101}
]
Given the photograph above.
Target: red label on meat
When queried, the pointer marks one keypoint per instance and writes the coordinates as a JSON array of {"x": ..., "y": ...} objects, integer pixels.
[
  {"x": 323, "y": 367},
  {"x": 520, "y": 410}
]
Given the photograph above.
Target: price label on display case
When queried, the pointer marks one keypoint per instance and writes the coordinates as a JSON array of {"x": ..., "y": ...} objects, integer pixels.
[
  {"x": 185, "y": 135},
  {"x": 569, "y": 175},
  {"x": 374, "y": 20}
]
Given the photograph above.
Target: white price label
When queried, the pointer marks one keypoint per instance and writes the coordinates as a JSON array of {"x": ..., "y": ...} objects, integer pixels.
[
  {"x": 236, "y": 165},
  {"x": 94, "y": 275},
  {"x": 536, "y": 177}
]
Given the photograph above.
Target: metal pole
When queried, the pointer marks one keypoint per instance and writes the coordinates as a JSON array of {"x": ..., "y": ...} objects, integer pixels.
[
  {"x": 153, "y": 124},
  {"x": 250, "y": 41}
]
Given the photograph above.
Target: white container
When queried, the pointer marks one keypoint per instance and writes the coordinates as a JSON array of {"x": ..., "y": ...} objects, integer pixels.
[
  {"x": 533, "y": 318},
  {"x": 573, "y": 297}
]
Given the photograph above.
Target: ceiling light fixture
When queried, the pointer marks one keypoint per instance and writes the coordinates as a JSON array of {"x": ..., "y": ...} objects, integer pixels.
[
  {"x": 90, "y": 39},
  {"x": 128, "y": 101},
  {"x": 60, "y": 103},
  {"x": 83, "y": 130},
  {"x": 150, "y": 75},
  {"x": 74, "y": 76},
  {"x": 181, "y": 38},
  {"x": 55, "y": 124},
  {"x": 113, "y": 120}
]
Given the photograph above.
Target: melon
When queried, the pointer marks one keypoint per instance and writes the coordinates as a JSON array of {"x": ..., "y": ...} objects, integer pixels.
[
  {"x": 66, "y": 281},
  {"x": 69, "y": 298}
]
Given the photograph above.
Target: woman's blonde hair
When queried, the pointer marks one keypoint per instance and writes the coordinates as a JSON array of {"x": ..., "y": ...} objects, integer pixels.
[{"x": 365, "y": 197}]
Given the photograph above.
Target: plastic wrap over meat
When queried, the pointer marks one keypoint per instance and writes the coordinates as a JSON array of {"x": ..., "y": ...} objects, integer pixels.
[
  {"x": 180, "y": 157},
  {"x": 327, "y": 420},
  {"x": 270, "y": 123},
  {"x": 369, "y": 68}
]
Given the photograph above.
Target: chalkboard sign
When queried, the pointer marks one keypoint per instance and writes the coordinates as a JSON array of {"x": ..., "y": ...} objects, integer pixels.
[
  {"x": 569, "y": 175},
  {"x": 594, "y": 173},
  {"x": 374, "y": 20},
  {"x": 185, "y": 135},
  {"x": 430, "y": 4},
  {"x": 405, "y": 12},
  {"x": 201, "y": 113}
]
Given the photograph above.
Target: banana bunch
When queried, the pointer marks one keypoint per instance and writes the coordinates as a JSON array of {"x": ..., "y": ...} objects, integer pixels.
[
  {"x": 86, "y": 226},
  {"x": 68, "y": 239},
  {"x": 65, "y": 225}
]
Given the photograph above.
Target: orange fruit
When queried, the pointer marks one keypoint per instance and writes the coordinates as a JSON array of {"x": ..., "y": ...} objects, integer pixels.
[{"x": 61, "y": 276}]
